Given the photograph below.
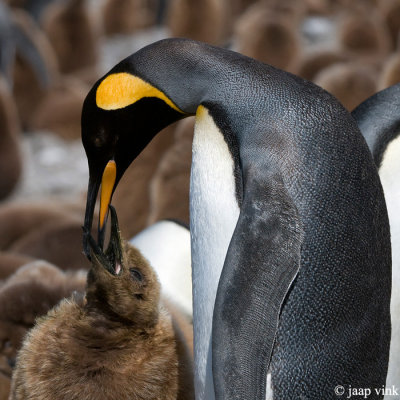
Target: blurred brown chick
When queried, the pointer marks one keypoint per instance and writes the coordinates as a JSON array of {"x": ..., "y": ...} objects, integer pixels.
[
  {"x": 10, "y": 156},
  {"x": 117, "y": 343},
  {"x": 351, "y": 83},
  {"x": 206, "y": 20},
  {"x": 27, "y": 294},
  {"x": 270, "y": 34},
  {"x": 128, "y": 16},
  {"x": 72, "y": 33}
]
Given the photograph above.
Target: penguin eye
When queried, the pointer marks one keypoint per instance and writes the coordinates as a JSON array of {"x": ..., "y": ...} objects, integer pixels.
[{"x": 136, "y": 275}]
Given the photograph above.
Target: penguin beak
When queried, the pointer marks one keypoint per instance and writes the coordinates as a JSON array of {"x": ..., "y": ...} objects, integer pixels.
[
  {"x": 107, "y": 181},
  {"x": 107, "y": 189},
  {"x": 93, "y": 189},
  {"x": 111, "y": 260}
]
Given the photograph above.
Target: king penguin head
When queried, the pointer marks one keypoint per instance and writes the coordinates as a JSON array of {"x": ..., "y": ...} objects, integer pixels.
[{"x": 120, "y": 116}]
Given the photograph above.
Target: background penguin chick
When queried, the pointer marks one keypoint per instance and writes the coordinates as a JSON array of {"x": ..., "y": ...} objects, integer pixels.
[
  {"x": 117, "y": 343},
  {"x": 314, "y": 62},
  {"x": 390, "y": 74},
  {"x": 27, "y": 294},
  {"x": 268, "y": 35},
  {"x": 10, "y": 262},
  {"x": 31, "y": 78},
  {"x": 60, "y": 110},
  {"x": 365, "y": 35},
  {"x": 59, "y": 242},
  {"x": 10, "y": 156},
  {"x": 128, "y": 16},
  {"x": 351, "y": 83},
  {"x": 72, "y": 33},
  {"x": 206, "y": 21},
  {"x": 390, "y": 10}
]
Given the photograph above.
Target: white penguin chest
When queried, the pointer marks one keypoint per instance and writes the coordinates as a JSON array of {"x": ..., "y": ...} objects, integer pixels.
[
  {"x": 389, "y": 173},
  {"x": 214, "y": 212}
]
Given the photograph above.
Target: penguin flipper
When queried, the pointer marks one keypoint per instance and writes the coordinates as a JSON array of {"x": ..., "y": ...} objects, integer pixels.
[
  {"x": 379, "y": 120},
  {"x": 261, "y": 263}
]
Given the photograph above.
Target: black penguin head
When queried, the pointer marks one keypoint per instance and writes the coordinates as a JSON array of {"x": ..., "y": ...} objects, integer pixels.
[
  {"x": 120, "y": 116},
  {"x": 121, "y": 284}
]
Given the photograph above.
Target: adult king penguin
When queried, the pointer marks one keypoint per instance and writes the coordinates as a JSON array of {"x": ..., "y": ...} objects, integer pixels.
[
  {"x": 282, "y": 183},
  {"x": 379, "y": 120}
]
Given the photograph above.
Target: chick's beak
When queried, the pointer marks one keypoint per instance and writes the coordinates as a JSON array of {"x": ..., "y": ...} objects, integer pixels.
[{"x": 111, "y": 259}]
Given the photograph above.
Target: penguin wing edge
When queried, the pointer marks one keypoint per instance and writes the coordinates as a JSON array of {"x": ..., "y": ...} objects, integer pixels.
[{"x": 261, "y": 263}]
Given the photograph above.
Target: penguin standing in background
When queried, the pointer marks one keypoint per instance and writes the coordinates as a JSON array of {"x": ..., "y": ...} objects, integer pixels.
[
  {"x": 379, "y": 121},
  {"x": 291, "y": 264}
]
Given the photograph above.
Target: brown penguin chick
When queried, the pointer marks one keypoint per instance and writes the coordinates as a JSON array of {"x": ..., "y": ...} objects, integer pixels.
[
  {"x": 317, "y": 60},
  {"x": 206, "y": 21},
  {"x": 27, "y": 294},
  {"x": 59, "y": 112},
  {"x": 390, "y": 10},
  {"x": 10, "y": 262},
  {"x": 132, "y": 198},
  {"x": 72, "y": 33},
  {"x": 364, "y": 34},
  {"x": 59, "y": 242},
  {"x": 10, "y": 155},
  {"x": 116, "y": 344},
  {"x": 30, "y": 87},
  {"x": 390, "y": 74},
  {"x": 169, "y": 187},
  {"x": 350, "y": 83},
  {"x": 18, "y": 220},
  {"x": 268, "y": 35},
  {"x": 5, "y": 384},
  {"x": 128, "y": 16}
]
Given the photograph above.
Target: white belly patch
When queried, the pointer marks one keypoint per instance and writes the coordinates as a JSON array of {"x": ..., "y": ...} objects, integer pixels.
[
  {"x": 214, "y": 212},
  {"x": 389, "y": 174}
]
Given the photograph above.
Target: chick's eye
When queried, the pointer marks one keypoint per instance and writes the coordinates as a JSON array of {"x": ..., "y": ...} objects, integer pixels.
[
  {"x": 6, "y": 345},
  {"x": 136, "y": 275}
]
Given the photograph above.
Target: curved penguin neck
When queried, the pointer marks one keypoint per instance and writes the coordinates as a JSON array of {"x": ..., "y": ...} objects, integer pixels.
[{"x": 188, "y": 72}]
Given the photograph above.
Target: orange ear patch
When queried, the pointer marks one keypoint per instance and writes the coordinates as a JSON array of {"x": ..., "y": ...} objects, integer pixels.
[{"x": 121, "y": 89}]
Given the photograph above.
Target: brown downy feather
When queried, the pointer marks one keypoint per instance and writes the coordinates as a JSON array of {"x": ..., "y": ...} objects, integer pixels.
[
  {"x": 269, "y": 34},
  {"x": 390, "y": 74},
  {"x": 170, "y": 184},
  {"x": 350, "y": 83},
  {"x": 59, "y": 242},
  {"x": 205, "y": 20},
  {"x": 72, "y": 33},
  {"x": 117, "y": 343},
  {"x": 390, "y": 10},
  {"x": 10, "y": 262},
  {"x": 10, "y": 156},
  {"x": 27, "y": 294},
  {"x": 128, "y": 16},
  {"x": 363, "y": 33},
  {"x": 18, "y": 220},
  {"x": 28, "y": 90},
  {"x": 60, "y": 110},
  {"x": 314, "y": 62}
]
